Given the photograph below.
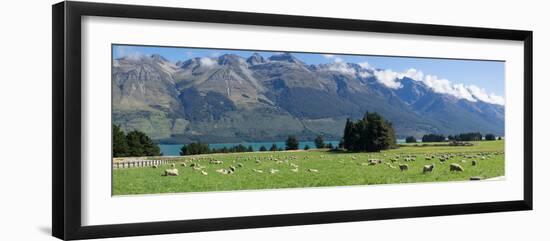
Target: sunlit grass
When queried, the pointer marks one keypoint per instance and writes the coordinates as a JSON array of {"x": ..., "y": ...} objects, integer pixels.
[{"x": 334, "y": 169}]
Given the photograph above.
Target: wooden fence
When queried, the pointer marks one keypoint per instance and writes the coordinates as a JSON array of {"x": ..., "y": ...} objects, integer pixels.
[{"x": 140, "y": 163}]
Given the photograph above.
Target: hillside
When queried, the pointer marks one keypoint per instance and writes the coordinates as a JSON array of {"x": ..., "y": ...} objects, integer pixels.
[{"x": 231, "y": 99}]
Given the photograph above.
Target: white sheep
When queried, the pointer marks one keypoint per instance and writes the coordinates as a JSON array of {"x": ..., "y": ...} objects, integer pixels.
[
  {"x": 204, "y": 173},
  {"x": 312, "y": 170},
  {"x": 171, "y": 172}
]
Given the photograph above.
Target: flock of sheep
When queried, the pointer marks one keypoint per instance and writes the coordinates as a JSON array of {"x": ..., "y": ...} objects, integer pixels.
[{"x": 395, "y": 161}]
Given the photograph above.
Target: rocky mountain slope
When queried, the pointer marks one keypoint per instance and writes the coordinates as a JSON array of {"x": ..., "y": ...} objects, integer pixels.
[{"x": 232, "y": 99}]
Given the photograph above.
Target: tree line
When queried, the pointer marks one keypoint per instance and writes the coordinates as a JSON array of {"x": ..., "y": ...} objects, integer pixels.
[
  {"x": 134, "y": 143},
  {"x": 291, "y": 143},
  {"x": 470, "y": 136}
]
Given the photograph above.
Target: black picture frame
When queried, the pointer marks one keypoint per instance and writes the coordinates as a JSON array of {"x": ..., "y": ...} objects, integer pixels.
[{"x": 66, "y": 59}]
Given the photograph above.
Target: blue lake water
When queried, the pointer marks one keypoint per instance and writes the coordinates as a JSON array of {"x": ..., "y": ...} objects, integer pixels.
[{"x": 174, "y": 149}]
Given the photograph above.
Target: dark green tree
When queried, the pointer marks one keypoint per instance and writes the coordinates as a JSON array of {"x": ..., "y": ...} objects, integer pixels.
[
  {"x": 262, "y": 148},
  {"x": 490, "y": 137},
  {"x": 195, "y": 148},
  {"x": 139, "y": 144},
  {"x": 274, "y": 147},
  {"x": 319, "y": 142},
  {"x": 410, "y": 139},
  {"x": 292, "y": 143},
  {"x": 120, "y": 145},
  {"x": 306, "y": 147},
  {"x": 433, "y": 138},
  {"x": 250, "y": 149},
  {"x": 371, "y": 134}
]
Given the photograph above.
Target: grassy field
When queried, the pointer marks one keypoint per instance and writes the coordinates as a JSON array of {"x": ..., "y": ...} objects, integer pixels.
[{"x": 333, "y": 169}]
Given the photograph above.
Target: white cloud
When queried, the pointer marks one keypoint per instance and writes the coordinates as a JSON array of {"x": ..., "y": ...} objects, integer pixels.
[
  {"x": 364, "y": 74},
  {"x": 128, "y": 53},
  {"x": 342, "y": 68},
  {"x": 207, "y": 62},
  {"x": 481, "y": 94},
  {"x": 365, "y": 65},
  {"x": 328, "y": 56},
  {"x": 445, "y": 86},
  {"x": 388, "y": 78},
  {"x": 413, "y": 74}
]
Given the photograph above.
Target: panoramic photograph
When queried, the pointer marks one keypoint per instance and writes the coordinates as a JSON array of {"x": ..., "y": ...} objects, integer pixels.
[{"x": 205, "y": 120}]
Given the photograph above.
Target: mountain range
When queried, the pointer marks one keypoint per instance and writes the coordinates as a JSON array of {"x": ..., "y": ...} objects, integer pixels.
[{"x": 233, "y": 99}]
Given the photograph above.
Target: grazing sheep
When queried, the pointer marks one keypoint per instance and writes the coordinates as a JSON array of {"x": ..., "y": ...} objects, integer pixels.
[
  {"x": 293, "y": 165},
  {"x": 463, "y": 161},
  {"x": 474, "y": 163},
  {"x": 239, "y": 165},
  {"x": 183, "y": 164},
  {"x": 173, "y": 165},
  {"x": 258, "y": 171},
  {"x": 456, "y": 168},
  {"x": 216, "y": 162},
  {"x": 273, "y": 171},
  {"x": 222, "y": 171},
  {"x": 232, "y": 168},
  {"x": 312, "y": 170},
  {"x": 171, "y": 172},
  {"x": 374, "y": 161},
  {"x": 294, "y": 170},
  {"x": 428, "y": 168},
  {"x": 155, "y": 166},
  {"x": 403, "y": 167},
  {"x": 204, "y": 173},
  {"x": 258, "y": 161}
]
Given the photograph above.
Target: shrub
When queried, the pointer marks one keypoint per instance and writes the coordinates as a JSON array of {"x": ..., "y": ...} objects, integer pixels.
[
  {"x": 292, "y": 143},
  {"x": 410, "y": 139}
]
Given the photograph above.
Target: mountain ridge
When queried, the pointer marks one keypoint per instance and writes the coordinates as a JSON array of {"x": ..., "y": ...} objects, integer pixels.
[{"x": 232, "y": 98}]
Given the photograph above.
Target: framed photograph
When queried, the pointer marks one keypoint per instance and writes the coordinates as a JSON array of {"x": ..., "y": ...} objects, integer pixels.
[{"x": 170, "y": 120}]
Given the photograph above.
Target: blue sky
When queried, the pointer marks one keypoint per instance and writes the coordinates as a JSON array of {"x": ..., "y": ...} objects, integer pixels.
[{"x": 488, "y": 75}]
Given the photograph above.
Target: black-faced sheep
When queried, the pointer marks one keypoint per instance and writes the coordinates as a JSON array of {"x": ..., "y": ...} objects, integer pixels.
[
  {"x": 474, "y": 163},
  {"x": 456, "y": 168},
  {"x": 428, "y": 168},
  {"x": 403, "y": 167}
]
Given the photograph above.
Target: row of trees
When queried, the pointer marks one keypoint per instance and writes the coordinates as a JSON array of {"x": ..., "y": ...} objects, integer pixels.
[
  {"x": 372, "y": 134},
  {"x": 196, "y": 148},
  {"x": 470, "y": 136},
  {"x": 135, "y": 143}
]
